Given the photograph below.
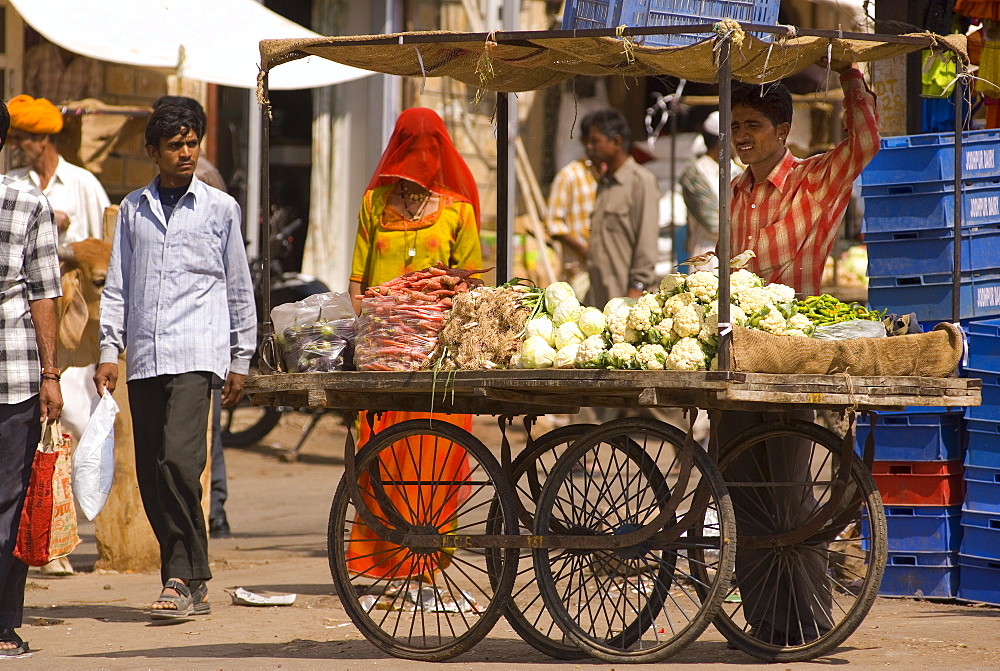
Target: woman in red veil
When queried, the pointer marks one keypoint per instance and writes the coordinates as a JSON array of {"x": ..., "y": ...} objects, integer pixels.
[{"x": 421, "y": 207}]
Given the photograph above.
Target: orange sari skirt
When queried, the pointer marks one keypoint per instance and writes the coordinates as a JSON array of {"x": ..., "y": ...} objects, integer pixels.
[{"x": 415, "y": 458}]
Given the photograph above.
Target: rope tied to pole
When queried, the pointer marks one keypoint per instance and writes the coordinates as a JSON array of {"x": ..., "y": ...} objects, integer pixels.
[{"x": 484, "y": 66}]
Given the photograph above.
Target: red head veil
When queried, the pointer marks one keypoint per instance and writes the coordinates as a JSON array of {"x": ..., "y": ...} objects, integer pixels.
[{"x": 400, "y": 160}]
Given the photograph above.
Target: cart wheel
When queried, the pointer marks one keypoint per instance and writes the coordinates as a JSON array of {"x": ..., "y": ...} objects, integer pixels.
[
  {"x": 525, "y": 612},
  {"x": 812, "y": 593},
  {"x": 245, "y": 425},
  {"x": 639, "y": 603},
  {"x": 418, "y": 603}
]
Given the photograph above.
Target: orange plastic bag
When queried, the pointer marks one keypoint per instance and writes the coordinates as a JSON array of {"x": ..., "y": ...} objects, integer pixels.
[{"x": 48, "y": 520}]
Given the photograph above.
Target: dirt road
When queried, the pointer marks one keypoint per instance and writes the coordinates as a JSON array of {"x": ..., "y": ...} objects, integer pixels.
[{"x": 278, "y": 512}]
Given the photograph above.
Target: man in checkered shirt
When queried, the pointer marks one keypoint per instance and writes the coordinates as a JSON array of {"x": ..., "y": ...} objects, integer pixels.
[
  {"x": 29, "y": 378},
  {"x": 788, "y": 211}
]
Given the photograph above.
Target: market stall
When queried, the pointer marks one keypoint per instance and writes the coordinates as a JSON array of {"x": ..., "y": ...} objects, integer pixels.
[{"x": 617, "y": 540}]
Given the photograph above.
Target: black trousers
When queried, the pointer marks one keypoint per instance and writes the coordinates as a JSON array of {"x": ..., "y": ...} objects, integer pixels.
[
  {"x": 792, "y": 595},
  {"x": 20, "y": 430},
  {"x": 169, "y": 422},
  {"x": 220, "y": 488}
]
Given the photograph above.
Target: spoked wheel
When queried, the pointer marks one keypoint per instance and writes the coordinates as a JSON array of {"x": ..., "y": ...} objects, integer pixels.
[
  {"x": 797, "y": 598},
  {"x": 525, "y": 612},
  {"x": 245, "y": 425},
  {"x": 419, "y": 602},
  {"x": 639, "y": 603}
]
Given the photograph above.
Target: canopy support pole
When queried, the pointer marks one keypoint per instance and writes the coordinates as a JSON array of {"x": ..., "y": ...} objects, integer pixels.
[
  {"x": 956, "y": 275},
  {"x": 725, "y": 158},
  {"x": 264, "y": 222},
  {"x": 505, "y": 192}
]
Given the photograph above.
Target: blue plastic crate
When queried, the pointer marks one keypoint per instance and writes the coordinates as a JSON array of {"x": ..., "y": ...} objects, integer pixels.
[
  {"x": 929, "y": 296},
  {"x": 990, "y": 408},
  {"x": 932, "y": 251},
  {"x": 913, "y": 436},
  {"x": 982, "y": 489},
  {"x": 693, "y": 13},
  {"x": 979, "y": 579},
  {"x": 911, "y": 207},
  {"x": 984, "y": 443},
  {"x": 589, "y": 14},
  {"x": 931, "y": 158},
  {"x": 920, "y": 574},
  {"x": 984, "y": 344},
  {"x": 981, "y": 534},
  {"x": 921, "y": 528}
]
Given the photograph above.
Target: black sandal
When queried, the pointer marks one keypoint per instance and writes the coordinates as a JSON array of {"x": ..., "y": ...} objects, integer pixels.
[
  {"x": 183, "y": 602},
  {"x": 10, "y": 636},
  {"x": 199, "y": 599}
]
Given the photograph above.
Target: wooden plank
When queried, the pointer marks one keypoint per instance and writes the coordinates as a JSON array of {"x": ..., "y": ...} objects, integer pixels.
[
  {"x": 556, "y": 399},
  {"x": 860, "y": 400}
]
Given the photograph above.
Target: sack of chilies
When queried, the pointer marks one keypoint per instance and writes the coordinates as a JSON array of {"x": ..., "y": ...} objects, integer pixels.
[{"x": 396, "y": 333}]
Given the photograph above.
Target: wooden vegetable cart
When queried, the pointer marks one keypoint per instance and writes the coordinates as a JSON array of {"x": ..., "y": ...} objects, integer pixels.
[{"x": 617, "y": 540}]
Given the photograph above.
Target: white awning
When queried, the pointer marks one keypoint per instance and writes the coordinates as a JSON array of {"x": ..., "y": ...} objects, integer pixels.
[{"x": 214, "y": 41}]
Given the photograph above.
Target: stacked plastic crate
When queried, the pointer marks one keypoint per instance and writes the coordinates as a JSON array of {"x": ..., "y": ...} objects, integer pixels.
[
  {"x": 918, "y": 470},
  {"x": 980, "y": 551},
  {"x": 908, "y": 190}
]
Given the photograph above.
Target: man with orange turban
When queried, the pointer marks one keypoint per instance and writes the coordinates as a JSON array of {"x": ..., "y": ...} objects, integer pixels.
[
  {"x": 75, "y": 195},
  {"x": 78, "y": 201}
]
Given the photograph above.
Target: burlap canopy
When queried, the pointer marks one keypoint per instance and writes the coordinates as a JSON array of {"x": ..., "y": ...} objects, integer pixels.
[{"x": 530, "y": 64}]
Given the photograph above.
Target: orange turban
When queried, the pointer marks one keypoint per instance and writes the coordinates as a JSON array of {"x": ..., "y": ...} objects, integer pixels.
[{"x": 34, "y": 115}]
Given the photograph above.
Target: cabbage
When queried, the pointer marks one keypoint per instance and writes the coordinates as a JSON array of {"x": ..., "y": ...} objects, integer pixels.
[
  {"x": 566, "y": 356},
  {"x": 556, "y": 293},
  {"x": 568, "y": 334},
  {"x": 567, "y": 312},
  {"x": 592, "y": 322},
  {"x": 537, "y": 353},
  {"x": 541, "y": 326},
  {"x": 615, "y": 303}
]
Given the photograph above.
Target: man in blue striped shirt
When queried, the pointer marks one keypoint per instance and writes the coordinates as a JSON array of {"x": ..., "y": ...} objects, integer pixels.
[{"x": 179, "y": 298}]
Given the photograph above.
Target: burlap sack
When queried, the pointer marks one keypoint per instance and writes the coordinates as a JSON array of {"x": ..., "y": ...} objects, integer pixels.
[{"x": 934, "y": 354}]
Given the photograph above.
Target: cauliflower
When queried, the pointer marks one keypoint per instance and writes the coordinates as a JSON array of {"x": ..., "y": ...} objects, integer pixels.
[
  {"x": 592, "y": 353},
  {"x": 754, "y": 299},
  {"x": 688, "y": 320},
  {"x": 781, "y": 293},
  {"x": 566, "y": 356},
  {"x": 622, "y": 355},
  {"x": 686, "y": 354},
  {"x": 796, "y": 333},
  {"x": 773, "y": 322},
  {"x": 704, "y": 285},
  {"x": 567, "y": 311},
  {"x": 676, "y": 302},
  {"x": 541, "y": 326},
  {"x": 651, "y": 357},
  {"x": 642, "y": 317},
  {"x": 536, "y": 353},
  {"x": 742, "y": 280},
  {"x": 662, "y": 333},
  {"x": 652, "y": 301},
  {"x": 612, "y": 306},
  {"x": 515, "y": 361},
  {"x": 800, "y": 322},
  {"x": 568, "y": 334},
  {"x": 557, "y": 293},
  {"x": 671, "y": 284},
  {"x": 592, "y": 322},
  {"x": 710, "y": 328},
  {"x": 618, "y": 326}
]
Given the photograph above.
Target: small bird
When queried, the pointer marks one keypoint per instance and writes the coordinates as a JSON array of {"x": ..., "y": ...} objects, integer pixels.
[
  {"x": 698, "y": 261},
  {"x": 741, "y": 260}
]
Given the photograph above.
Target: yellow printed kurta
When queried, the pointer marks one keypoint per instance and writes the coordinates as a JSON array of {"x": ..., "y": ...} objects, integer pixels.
[{"x": 381, "y": 250}]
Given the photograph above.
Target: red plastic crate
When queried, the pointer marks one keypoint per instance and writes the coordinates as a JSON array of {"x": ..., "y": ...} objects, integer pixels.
[{"x": 920, "y": 483}]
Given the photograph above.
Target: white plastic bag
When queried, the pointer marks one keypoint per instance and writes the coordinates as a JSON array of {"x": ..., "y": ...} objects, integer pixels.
[{"x": 94, "y": 458}]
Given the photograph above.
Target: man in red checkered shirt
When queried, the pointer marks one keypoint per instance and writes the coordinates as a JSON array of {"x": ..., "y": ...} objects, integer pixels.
[{"x": 788, "y": 212}]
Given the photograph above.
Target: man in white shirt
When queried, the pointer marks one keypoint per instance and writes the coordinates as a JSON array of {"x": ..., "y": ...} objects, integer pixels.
[
  {"x": 78, "y": 201},
  {"x": 74, "y": 193}
]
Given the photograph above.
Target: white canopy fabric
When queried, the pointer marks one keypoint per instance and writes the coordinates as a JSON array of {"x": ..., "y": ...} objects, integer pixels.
[{"x": 215, "y": 41}]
